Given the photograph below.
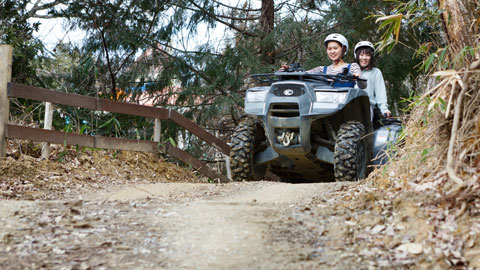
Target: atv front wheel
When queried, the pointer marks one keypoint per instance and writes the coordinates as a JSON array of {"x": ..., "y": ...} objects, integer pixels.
[
  {"x": 246, "y": 140},
  {"x": 350, "y": 160}
]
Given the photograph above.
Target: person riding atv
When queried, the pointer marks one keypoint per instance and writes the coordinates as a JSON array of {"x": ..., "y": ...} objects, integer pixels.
[{"x": 304, "y": 127}]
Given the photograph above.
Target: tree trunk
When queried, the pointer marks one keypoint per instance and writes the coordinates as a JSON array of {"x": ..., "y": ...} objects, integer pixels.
[
  {"x": 459, "y": 23},
  {"x": 267, "y": 47}
]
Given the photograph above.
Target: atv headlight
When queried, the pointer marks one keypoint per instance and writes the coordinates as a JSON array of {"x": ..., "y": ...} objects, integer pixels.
[
  {"x": 331, "y": 97},
  {"x": 256, "y": 96}
]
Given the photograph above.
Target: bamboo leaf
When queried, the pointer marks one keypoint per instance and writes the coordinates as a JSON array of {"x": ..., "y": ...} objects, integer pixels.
[
  {"x": 172, "y": 142},
  {"x": 429, "y": 61},
  {"x": 441, "y": 58},
  {"x": 445, "y": 73},
  {"x": 117, "y": 123},
  {"x": 390, "y": 17},
  {"x": 106, "y": 123}
]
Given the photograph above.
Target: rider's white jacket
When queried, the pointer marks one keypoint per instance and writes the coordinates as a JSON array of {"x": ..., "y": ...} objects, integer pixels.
[{"x": 376, "y": 88}]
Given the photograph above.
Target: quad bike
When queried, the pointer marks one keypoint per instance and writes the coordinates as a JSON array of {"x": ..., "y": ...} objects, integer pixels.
[{"x": 302, "y": 127}]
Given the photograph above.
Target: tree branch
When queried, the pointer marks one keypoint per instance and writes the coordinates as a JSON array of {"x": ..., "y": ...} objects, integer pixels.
[
  {"x": 221, "y": 15},
  {"x": 36, "y": 7},
  {"x": 196, "y": 71},
  {"x": 311, "y": 33},
  {"x": 453, "y": 136},
  {"x": 150, "y": 27},
  {"x": 187, "y": 52},
  {"x": 215, "y": 17},
  {"x": 236, "y": 8},
  {"x": 112, "y": 74}
]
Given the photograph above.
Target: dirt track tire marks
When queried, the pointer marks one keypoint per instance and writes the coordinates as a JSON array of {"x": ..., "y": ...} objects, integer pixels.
[
  {"x": 247, "y": 225},
  {"x": 233, "y": 230}
]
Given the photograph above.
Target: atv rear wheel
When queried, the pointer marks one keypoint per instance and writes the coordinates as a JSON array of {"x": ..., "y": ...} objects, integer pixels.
[
  {"x": 246, "y": 140},
  {"x": 350, "y": 160}
]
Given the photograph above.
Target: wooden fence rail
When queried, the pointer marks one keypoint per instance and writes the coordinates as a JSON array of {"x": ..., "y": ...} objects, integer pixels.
[{"x": 43, "y": 135}]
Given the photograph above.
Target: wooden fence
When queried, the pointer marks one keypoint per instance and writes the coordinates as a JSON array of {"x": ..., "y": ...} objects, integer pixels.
[{"x": 9, "y": 90}]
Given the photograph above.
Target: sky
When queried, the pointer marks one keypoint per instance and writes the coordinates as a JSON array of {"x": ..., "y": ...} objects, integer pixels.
[{"x": 52, "y": 31}]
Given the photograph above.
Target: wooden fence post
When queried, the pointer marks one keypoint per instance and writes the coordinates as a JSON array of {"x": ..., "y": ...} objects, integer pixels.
[
  {"x": 227, "y": 166},
  {"x": 47, "y": 125},
  {"x": 157, "y": 130},
  {"x": 5, "y": 77}
]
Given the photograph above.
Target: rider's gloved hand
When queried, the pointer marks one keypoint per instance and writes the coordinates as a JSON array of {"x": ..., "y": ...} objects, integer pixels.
[{"x": 387, "y": 114}]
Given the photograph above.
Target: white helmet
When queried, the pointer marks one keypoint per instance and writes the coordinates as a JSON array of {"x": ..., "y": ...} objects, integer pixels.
[
  {"x": 363, "y": 44},
  {"x": 338, "y": 38}
]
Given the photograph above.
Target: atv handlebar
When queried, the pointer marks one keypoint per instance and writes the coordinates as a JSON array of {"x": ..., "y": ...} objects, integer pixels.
[
  {"x": 348, "y": 77},
  {"x": 295, "y": 67},
  {"x": 265, "y": 77},
  {"x": 302, "y": 75},
  {"x": 295, "y": 72}
]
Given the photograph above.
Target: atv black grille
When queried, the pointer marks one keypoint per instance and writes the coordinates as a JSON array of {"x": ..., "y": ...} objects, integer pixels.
[
  {"x": 284, "y": 110},
  {"x": 288, "y": 90}
]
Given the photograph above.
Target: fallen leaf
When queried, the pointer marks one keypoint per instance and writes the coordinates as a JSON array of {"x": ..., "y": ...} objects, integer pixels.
[
  {"x": 58, "y": 251},
  {"x": 412, "y": 248},
  {"x": 377, "y": 229},
  {"x": 83, "y": 226}
]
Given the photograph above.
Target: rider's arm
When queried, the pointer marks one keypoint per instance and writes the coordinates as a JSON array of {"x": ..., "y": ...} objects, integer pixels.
[
  {"x": 355, "y": 69},
  {"x": 284, "y": 67},
  {"x": 362, "y": 84},
  {"x": 318, "y": 69}
]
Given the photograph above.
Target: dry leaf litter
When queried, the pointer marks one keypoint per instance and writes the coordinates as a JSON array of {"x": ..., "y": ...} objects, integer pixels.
[{"x": 25, "y": 176}]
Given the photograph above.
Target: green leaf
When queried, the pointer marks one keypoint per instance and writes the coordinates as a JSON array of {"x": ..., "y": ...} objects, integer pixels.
[
  {"x": 106, "y": 123},
  {"x": 441, "y": 58},
  {"x": 425, "y": 153},
  {"x": 172, "y": 142},
  {"x": 429, "y": 61},
  {"x": 117, "y": 123},
  {"x": 83, "y": 129}
]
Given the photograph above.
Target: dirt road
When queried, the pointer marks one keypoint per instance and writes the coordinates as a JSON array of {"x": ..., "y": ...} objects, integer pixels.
[
  {"x": 255, "y": 225},
  {"x": 171, "y": 226},
  {"x": 127, "y": 210}
]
